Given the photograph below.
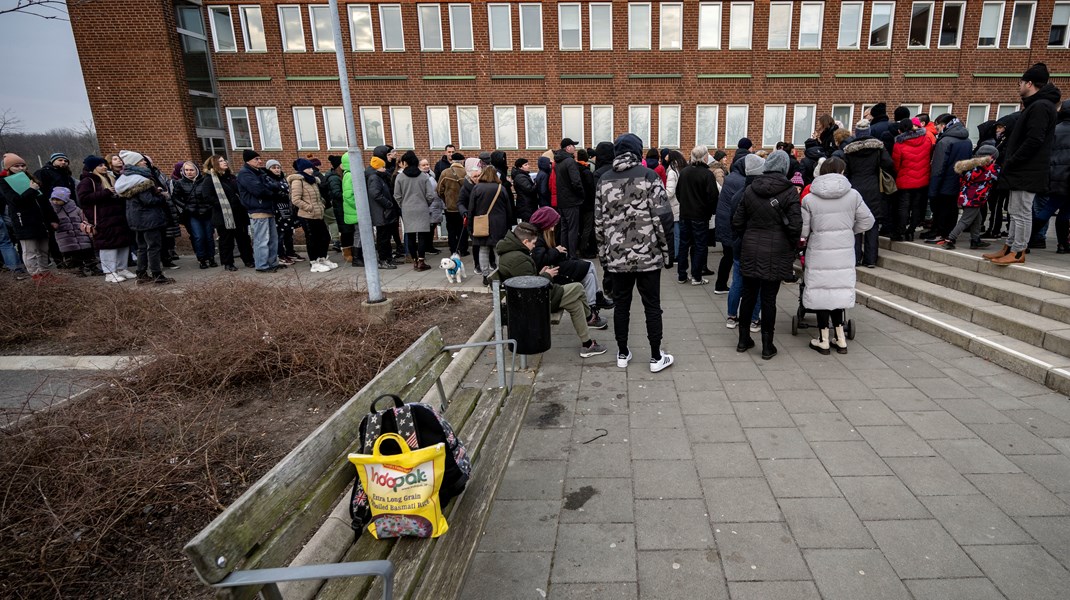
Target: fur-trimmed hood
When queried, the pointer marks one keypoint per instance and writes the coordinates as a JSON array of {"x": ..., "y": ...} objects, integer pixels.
[
  {"x": 963, "y": 166},
  {"x": 129, "y": 185},
  {"x": 866, "y": 143}
]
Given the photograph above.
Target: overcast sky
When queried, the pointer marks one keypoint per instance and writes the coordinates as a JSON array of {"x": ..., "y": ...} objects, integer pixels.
[{"x": 42, "y": 80}]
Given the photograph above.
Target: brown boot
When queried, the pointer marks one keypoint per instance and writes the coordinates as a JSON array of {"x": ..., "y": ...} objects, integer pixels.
[
  {"x": 998, "y": 253},
  {"x": 347, "y": 254},
  {"x": 1010, "y": 258},
  {"x": 420, "y": 265}
]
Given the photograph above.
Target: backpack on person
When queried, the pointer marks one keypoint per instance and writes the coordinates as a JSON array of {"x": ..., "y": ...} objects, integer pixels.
[{"x": 421, "y": 426}]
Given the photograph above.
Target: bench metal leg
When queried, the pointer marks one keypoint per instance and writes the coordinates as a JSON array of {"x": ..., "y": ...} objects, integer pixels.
[
  {"x": 269, "y": 577},
  {"x": 499, "y": 355},
  {"x": 499, "y": 343}
]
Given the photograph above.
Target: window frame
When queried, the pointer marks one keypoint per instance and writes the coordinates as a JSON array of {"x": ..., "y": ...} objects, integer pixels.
[
  {"x": 612, "y": 116},
  {"x": 230, "y": 17},
  {"x": 297, "y": 127},
  {"x": 350, "y": 9},
  {"x": 435, "y": 143},
  {"x": 971, "y": 128},
  {"x": 891, "y": 26},
  {"x": 795, "y": 124},
  {"x": 746, "y": 123},
  {"x": 394, "y": 127},
  {"x": 662, "y": 122},
  {"x": 911, "y": 105},
  {"x": 749, "y": 6},
  {"x": 542, "y": 32},
  {"x": 649, "y": 25},
  {"x": 365, "y": 144},
  {"x": 1066, "y": 32},
  {"x": 769, "y": 33},
  {"x": 999, "y": 24},
  {"x": 401, "y": 27},
  {"x": 491, "y": 6},
  {"x": 999, "y": 108},
  {"x": 245, "y": 28},
  {"x": 858, "y": 26},
  {"x": 679, "y": 25},
  {"x": 527, "y": 125},
  {"x": 962, "y": 21},
  {"x": 783, "y": 123},
  {"x": 516, "y": 131},
  {"x": 478, "y": 141},
  {"x": 230, "y": 127},
  {"x": 590, "y": 19},
  {"x": 928, "y": 31},
  {"x": 702, "y": 7},
  {"x": 820, "y": 25},
  {"x": 312, "y": 25},
  {"x": 1032, "y": 24},
  {"x": 649, "y": 126},
  {"x": 561, "y": 7},
  {"x": 716, "y": 117},
  {"x": 583, "y": 124},
  {"x": 327, "y": 127},
  {"x": 282, "y": 29},
  {"x": 260, "y": 128},
  {"x": 936, "y": 113},
  {"x": 453, "y": 35},
  {"x": 850, "y": 120},
  {"x": 420, "y": 27}
]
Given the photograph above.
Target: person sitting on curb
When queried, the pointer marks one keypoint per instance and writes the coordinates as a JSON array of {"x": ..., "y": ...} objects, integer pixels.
[{"x": 514, "y": 260}]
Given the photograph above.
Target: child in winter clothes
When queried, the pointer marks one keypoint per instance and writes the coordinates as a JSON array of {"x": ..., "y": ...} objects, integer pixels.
[
  {"x": 73, "y": 242},
  {"x": 977, "y": 177}
]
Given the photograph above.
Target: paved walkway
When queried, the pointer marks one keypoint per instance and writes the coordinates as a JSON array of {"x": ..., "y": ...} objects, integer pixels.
[{"x": 907, "y": 468}]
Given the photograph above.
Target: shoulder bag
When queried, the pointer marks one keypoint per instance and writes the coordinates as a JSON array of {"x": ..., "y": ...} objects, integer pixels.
[{"x": 481, "y": 224}]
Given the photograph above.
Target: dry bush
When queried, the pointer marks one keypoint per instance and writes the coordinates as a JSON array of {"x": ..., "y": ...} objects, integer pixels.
[{"x": 99, "y": 496}]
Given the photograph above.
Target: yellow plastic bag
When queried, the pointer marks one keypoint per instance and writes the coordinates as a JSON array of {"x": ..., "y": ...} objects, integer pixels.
[{"x": 403, "y": 489}]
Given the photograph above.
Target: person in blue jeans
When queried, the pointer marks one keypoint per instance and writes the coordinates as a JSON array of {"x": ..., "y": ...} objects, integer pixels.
[
  {"x": 7, "y": 250},
  {"x": 753, "y": 166},
  {"x": 257, "y": 194}
]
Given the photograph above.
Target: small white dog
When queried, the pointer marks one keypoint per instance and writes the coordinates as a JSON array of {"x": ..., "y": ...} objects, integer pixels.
[{"x": 454, "y": 269}]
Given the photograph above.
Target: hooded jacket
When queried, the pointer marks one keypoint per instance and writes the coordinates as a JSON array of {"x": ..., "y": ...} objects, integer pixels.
[
  {"x": 384, "y": 211},
  {"x": 696, "y": 192},
  {"x": 728, "y": 200},
  {"x": 879, "y": 125},
  {"x": 186, "y": 196},
  {"x": 1060, "y": 153},
  {"x": 986, "y": 134},
  {"x": 912, "y": 160},
  {"x": 568, "y": 182},
  {"x": 631, "y": 216},
  {"x": 104, "y": 209},
  {"x": 69, "y": 235},
  {"x": 769, "y": 230},
  {"x": 603, "y": 158},
  {"x": 832, "y": 214},
  {"x": 349, "y": 200},
  {"x": 527, "y": 198},
  {"x": 952, "y": 146},
  {"x": 813, "y": 153},
  {"x": 514, "y": 260},
  {"x": 978, "y": 176},
  {"x": 414, "y": 193},
  {"x": 542, "y": 180},
  {"x": 146, "y": 208},
  {"x": 866, "y": 157},
  {"x": 1028, "y": 153}
]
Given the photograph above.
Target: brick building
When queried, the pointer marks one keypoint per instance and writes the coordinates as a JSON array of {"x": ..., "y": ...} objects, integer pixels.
[{"x": 519, "y": 76}]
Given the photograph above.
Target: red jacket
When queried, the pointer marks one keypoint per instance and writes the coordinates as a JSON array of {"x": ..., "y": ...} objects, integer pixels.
[{"x": 911, "y": 156}]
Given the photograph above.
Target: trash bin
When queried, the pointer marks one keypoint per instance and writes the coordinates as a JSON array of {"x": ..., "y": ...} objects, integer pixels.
[{"x": 528, "y": 299}]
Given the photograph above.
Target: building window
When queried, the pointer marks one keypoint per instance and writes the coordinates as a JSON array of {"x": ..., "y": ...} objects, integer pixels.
[
  {"x": 706, "y": 125},
  {"x": 639, "y": 122},
  {"x": 505, "y": 136},
  {"x": 803, "y": 123},
  {"x": 252, "y": 28},
  {"x": 292, "y": 28},
  {"x": 468, "y": 127},
  {"x": 1003, "y": 110},
  {"x": 1060, "y": 23},
  {"x": 735, "y": 124},
  {"x": 461, "y": 27},
  {"x": 222, "y": 29},
  {"x": 438, "y": 126},
  {"x": 951, "y": 25},
  {"x": 391, "y": 28},
  {"x": 669, "y": 126},
  {"x": 241, "y": 135},
  {"x": 308, "y": 136},
  {"x": 1022, "y": 25},
  {"x": 773, "y": 124},
  {"x": 501, "y": 26},
  {"x": 531, "y": 26},
  {"x": 780, "y": 25},
  {"x": 921, "y": 23},
  {"x": 935, "y": 110},
  {"x": 430, "y": 20},
  {"x": 850, "y": 26},
  {"x": 671, "y": 24},
  {"x": 401, "y": 127},
  {"x": 601, "y": 14},
  {"x": 740, "y": 21},
  {"x": 844, "y": 113},
  {"x": 334, "y": 125},
  {"x": 709, "y": 26},
  {"x": 535, "y": 127},
  {"x": 975, "y": 115},
  {"x": 371, "y": 126},
  {"x": 569, "y": 29},
  {"x": 811, "y": 20},
  {"x": 572, "y": 123},
  {"x": 913, "y": 108},
  {"x": 267, "y": 122},
  {"x": 360, "y": 28},
  {"x": 880, "y": 25},
  {"x": 322, "y": 30},
  {"x": 991, "y": 25},
  {"x": 638, "y": 26},
  {"x": 601, "y": 123}
]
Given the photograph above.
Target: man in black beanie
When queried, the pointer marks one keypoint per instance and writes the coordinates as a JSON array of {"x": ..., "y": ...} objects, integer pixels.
[{"x": 1026, "y": 163}]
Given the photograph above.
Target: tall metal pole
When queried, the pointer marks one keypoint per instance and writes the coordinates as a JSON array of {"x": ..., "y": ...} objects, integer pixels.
[{"x": 356, "y": 167}]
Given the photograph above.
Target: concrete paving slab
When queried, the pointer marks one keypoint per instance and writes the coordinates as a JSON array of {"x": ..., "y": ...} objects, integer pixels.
[
  {"x": 778, "y": 442},
  {"x": 759, "y": 552},
  {"x": 773, "y": 590},
  {"x": 598, "y": 500},
  {"x": 681, "y": 574},
  {"x": 599, "y": 460},
  {"x": 762, "y": 414},
  {"x": 659, "y": 479},
  {"x": 921, "y": 550},
  {"x": 521, "y": 526},
  {"x": 672, "y": 524},
  {"x": 805, "y": 401},
  {"x": 1022, "y": 572},
  {"x": 825, "y": 427},
  {"x": 975, "y": 520},
  {"x": 669, "y": 444},
  {"x": 850, "y": 459},
  {"x": 825, "y": 523},
  {"x": 799, "y": 478},
  {"x": 1053, "y": 533},
  {"x": 880, "y": 498},
  {"x": 737, "y": 500},
  {"x": 508, "y": 575},
  {"x": 936, "y": 425},
  {"x": 977, "y": 588},
  {"x": 930, "y": 476},
  {"x": 867, "y": 412},
  {"x": 854, "y": 574},
  {"x": 533, "y": 480},
  {"x": 1019, "y": 495},
  {"x": 974, "y": 456},
  {"x": 705, "y": 403},
  {"x": 910, "y": 399},
  {"x": 594, "y": 591},
  {"x": 1011, "y": 438},
  {"x": 726, "y": 460},
  {"x": 703, "y": 429},
  {"x": 1051, "y": 471},
  {"x": 895, "y": 440},
  {"x": 595, "y": 553}
]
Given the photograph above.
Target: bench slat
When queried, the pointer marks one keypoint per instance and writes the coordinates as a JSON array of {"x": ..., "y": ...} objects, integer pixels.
[
  {"x": 239, "y": 529},
  {"x": 450, "y": 558},
  {"x": 425, "y": 380}
]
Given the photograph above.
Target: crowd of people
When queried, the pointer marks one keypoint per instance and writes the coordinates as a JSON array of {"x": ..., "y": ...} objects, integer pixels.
[{"x": 636, "y": 212}]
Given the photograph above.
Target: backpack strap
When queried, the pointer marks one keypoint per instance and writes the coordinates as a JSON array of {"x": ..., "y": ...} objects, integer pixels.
[
  {"x": 374, "y": 430},
  {"x": 407, "y": 425}
]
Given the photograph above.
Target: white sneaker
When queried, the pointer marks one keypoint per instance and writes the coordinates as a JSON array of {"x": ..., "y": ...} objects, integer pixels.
[
  {"x": 318, "y": 267},
  {"x": 114, "y": 278},
  {"x": 622, "y": 361},
  {"x": 661, "y": 365},
  {"x": 330, "y": 264},
  {"x": 126, "y": 274}
]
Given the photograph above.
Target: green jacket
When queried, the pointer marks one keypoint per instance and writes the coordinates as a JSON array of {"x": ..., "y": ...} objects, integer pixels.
[
  {"x": 514, "y": 260},
  {"x": 349, "y": 202}
]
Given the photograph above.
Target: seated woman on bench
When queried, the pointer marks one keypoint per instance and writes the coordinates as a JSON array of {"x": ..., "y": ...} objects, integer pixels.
[{"x": 548, "y": 253}]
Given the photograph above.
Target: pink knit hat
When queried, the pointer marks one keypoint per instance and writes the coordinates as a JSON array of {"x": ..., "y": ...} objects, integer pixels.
[{"x": 545, "y": 218}]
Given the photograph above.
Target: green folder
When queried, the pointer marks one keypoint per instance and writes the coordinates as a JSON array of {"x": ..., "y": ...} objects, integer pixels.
[{"x": 20, "y": 182}]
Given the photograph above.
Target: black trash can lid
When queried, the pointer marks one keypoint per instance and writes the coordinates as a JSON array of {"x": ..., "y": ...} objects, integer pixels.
[{"x": 527, "y": 282}]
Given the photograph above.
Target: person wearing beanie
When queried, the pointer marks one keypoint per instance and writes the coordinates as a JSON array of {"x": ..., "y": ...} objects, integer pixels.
[
  {"x": 878, "y": 120},
  {"x": 632, "y": 216},
  {"x": 258, "y": 193},
  {"x": 7, "y": 244},
  {"x": 92, "y": 162},
  {"x": 1026, "y": 160},
  {"x": 812, "y": 152},
  {"x": 548, "y": 253},
  {"x": 57, "y": 173},
  {"x": 911, "y": 160},
  {"x": 383, "y": 210},
  {"x": 768, "y": 222},
  {"x": 527, "y": 196},
  {"x": 304, "y": 194},
  {"x": 866, "y": 159},
  {"x": 978, "y": 175},
  {"x": 743, "y": 148},
  {"x": 73, "y": 242},
  {"x": 414, "y": 193},
  {"x": 32, "y": 219},
  {"x": 147, "y": 215},
  {"x": 862, "y": 128},
  {"x": 106, "y": 211},
  {"x": 901, "y": 112},
  {"x": 450, "y": 181}
]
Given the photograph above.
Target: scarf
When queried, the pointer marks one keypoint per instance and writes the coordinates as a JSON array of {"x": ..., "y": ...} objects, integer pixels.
[
  {"x": 224, "y": 202},
  {"x": 107, "y": 180}
]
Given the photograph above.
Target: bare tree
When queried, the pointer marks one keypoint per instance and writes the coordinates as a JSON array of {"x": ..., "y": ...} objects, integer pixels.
[
  {"x": 46, "y": 9},
  {"x": 9, "y": 123}
]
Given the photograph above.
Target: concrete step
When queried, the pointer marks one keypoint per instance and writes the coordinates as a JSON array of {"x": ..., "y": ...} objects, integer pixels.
[{"x": 1029, "y": 360}]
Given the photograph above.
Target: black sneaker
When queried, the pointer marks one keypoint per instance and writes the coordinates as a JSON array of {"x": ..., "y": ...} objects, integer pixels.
[
  {"x": 268, "y": 270},
  {"x": 203, "y": 264},
  {"x": 143, "y": 278},
  {"x": 979, "y": 244},
  {"x": 230, "y": 268},
  {"x": 387, "y": 265},
  {"x": 212, "y": 263},
  {"x": 161, "y": 280}
]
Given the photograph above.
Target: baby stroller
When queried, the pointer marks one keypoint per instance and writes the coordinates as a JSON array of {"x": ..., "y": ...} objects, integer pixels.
[{"x": 798, "y": 319}]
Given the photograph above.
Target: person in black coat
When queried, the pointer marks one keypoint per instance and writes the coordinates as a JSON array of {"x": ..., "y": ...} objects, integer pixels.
[
  {"x": 696, "y": 192},
  {"x": 825, "y": 134},
  {"x": 196, "y": 213},
  {"x": 570, "y": 195},
  {"x": 32, "y": 219},
  {"x": 879, "y": 124},
  {"x": 385, "y": 211},
  {"x": 488, "y": 197},
  {"x": 219, "y": 187},
  {"x": 548, "y": 253},
  {"x": 527, "y": 197},
  {"x": 147, "y": 213},
  {"x": 588, "y": 247},
  {"x": 866, "y": 157},
  {"x": 769, "y": 221},
  {"x": 106, "y": 210}
]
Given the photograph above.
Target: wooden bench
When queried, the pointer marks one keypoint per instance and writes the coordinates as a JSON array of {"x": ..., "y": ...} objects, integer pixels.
[{"x": 298, "y": 513}]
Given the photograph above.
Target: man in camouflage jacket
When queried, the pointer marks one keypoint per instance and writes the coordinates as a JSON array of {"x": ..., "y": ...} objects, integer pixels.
[{"x": 631, "y": 215}]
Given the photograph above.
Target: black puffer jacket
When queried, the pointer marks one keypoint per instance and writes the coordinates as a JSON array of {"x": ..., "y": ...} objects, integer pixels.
[
  {"x": 51, "y": 177},
  {"x": 1060, "y": 153},
  {"x": 603, "y": 159},
  {"x": 1028, "y": 158},
  {"x": 768, "y": 243},
  {"x": 527, "y": 197},
  {"x": 381, "y": 198},
  {"x": 186, "y": 193},
  {"x": 31, "y": 212},
  {"x": 865, "y": 157},
  {"x": 570, "y": 191},
  {"x": 570, "y": 270},
  {"x": 813, "y": 153}
]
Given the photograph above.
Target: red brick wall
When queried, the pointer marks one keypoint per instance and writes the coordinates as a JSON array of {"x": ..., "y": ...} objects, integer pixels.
[{"x": 687, "y": 91}]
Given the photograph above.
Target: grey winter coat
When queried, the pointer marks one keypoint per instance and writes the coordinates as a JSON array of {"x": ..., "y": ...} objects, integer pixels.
[
  {"x": 832, "y": 213},
  {"x": 414, "y": 193}
]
